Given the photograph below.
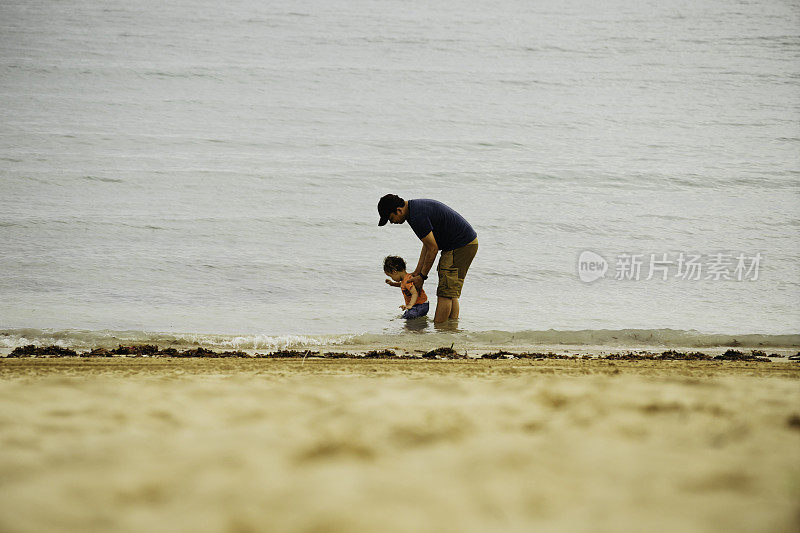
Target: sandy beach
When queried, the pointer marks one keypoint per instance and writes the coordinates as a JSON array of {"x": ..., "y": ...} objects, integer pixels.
[{"x": 136, "y": 444}]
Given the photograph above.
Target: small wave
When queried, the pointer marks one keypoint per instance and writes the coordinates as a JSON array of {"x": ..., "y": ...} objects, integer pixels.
[
  {"x": 162, "y": 74},
  {"x": 85, "y": 339},
  {"x": 633, "y": 338},
  {"x": 142, "y": 226},
  {"x": 104, "y": 180},
  {"x": 534, "y": 274},
  {"x": 529, "y": 82}
]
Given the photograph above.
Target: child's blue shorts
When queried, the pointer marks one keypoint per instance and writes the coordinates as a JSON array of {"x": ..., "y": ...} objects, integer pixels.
[{"x": 417, "y": 311}]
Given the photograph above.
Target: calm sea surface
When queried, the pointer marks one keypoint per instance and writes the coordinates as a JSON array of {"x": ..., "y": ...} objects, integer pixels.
[{"x": 214, "y": 167}]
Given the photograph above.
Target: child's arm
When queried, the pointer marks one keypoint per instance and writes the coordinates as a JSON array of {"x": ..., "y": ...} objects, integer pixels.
[
  {"x": 414, "y": 295},
  {"x": 393, "y": 283}
]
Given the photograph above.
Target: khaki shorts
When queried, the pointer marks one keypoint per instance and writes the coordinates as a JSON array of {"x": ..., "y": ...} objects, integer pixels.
[{"x": 452, "y": 269}]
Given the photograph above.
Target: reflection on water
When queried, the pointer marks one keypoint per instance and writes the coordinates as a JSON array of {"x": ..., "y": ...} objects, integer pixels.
[
  {"x": 450, "y": 326},
  {"x": 423, "y": 325},
  {"x": 417, "y": 325}
]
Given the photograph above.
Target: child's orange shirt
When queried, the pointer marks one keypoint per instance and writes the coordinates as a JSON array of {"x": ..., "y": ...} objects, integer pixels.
[{"x": 404, "y": 286}]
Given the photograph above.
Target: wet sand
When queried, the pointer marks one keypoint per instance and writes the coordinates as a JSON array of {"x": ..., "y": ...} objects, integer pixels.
[{"x": 124, "y": 444}]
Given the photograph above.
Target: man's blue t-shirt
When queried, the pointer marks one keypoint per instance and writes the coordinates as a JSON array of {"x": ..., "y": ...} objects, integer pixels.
[{"x": 450, "y": 229}]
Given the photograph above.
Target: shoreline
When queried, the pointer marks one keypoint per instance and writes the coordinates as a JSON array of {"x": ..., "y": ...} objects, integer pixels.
[
  {"x": 557, "y": 341},
  {"x": 452, "y": 352}
]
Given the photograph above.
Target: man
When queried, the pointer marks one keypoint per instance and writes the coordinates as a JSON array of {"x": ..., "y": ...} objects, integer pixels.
[{"x": 439, "y": 228}]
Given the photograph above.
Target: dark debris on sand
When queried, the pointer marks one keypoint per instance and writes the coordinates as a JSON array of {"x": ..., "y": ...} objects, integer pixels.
[
  {"x": 736, "y": 355},
  {"x": 680, "y": 356},
  {"x": 289, "y": 353},
  {"x": 39, "y": 351},
  {"x": 669, "y": 355},
  {"x": 527, "y": 355},
  {"x": 383, "y": 354},
  {"x": 339, "y": 355},
  {"x": 629, "y": 356},
  {"x": 548, "y": 355},
  {"x": 202, "y": 352},
  {"x": 497, "y": 355},
  {"x": 140, "y": 350},
  {"x": 672, "y": 355},
  {"x": 445, "y": 352},
  {"x": 143, "y": 350}
]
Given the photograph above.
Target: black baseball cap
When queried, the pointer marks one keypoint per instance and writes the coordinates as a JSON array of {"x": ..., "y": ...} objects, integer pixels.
[{"x": 388, "y": 205}]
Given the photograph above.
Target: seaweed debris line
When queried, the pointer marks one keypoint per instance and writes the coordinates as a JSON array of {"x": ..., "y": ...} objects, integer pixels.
[{"x": 444, "y": 353}]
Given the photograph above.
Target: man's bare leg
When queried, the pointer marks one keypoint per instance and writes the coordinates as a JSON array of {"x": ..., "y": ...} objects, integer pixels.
[
  {"x": 454, "y": 309},
  {"x": 443, "y": 308}
]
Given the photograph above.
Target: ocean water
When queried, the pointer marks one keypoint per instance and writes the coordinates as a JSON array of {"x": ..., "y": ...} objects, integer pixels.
[{"x": 214, "y": 168}]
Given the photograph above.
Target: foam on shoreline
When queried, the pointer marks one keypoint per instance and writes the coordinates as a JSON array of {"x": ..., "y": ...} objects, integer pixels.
[{"x": 580, "y": 340}]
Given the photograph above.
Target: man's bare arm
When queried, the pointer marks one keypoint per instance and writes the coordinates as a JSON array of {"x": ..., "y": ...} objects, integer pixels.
[
  {"x": 423, "y": 255},
  {"x": 427, "y": 256}
]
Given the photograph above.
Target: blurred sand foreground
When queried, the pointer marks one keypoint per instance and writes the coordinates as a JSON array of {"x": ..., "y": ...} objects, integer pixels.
[{"x": 352, "y": 445}]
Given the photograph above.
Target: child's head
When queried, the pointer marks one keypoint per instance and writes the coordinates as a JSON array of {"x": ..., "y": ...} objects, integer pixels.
[{"x": 394, "y": 267}]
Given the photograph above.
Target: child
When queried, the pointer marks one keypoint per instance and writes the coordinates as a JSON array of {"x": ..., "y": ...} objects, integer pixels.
[{"x": 416, "y": 302}]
